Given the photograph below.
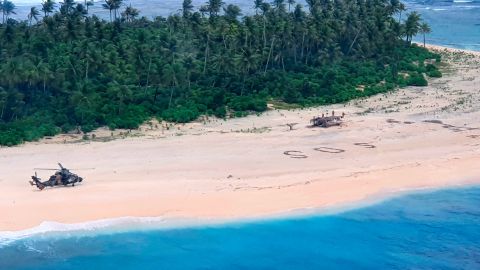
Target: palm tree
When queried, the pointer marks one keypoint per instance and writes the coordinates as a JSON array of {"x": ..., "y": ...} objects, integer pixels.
[
  {"x": 109, "y": 5},
  {"x": 247, "y": 61},
  {"x": 401, "y": 8},
  {"x": 7, "y": 8},
  {"x": 257, "y": 5},
  {"x": 169, "y": 78},
  {"x": 130, "y": 13},
  {"x": 80, "y": 10},
  {"x": 395, "y": 6},
  {"x": 67, "y": 7},
  {"x": 116, "y": 6},
  {"x": 34, "y": 13},
  {"x": 113, "y": 6},
  {"x": 290, "y": 3},
  {"x": 3, "y": 101},
  {"x": 279, "y": 4},
  {"x": 223, "y": 63},
  {"x": 425, "y": 29},
  {"x": 213, "y": 7},
  {"x": 189, "y": 64},
  {"x": 187, "y": 8},
  {"x": 48, "y": 6},
  {"x": 265, "y": 8},
  {"x": 232, "y": 12},
  {"x": 1, "y": 10},
  {"x": 88, "y": 4},
  {"x": 412, "y": 25}
]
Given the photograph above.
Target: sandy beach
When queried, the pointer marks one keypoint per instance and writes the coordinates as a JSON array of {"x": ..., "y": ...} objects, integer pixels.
[{"x": 413, "y": 138}]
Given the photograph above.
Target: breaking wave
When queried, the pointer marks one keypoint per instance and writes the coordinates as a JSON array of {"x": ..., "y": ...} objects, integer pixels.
[{"x": 50, "y": 228}]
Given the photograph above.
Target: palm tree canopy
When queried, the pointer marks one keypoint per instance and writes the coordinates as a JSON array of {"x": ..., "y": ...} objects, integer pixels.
[
  {"x": 34, "y": 13},
  {"x": 8, "y": 7},
  {"x": 48, "y": 6},
  {"x": 425, "y": 28},
  {"x": 187, "y": 8}
]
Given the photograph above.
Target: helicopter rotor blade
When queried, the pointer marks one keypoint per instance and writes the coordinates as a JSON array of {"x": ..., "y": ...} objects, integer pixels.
[{"x": 76, "y": 169}]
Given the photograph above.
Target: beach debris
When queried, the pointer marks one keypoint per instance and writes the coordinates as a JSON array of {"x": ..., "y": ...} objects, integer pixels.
[
  {"x": 433, "y": 121},
  {"x": 393, "y": 121},
  {"x": 291, "y": 125},
  {"x": 327, "y": 121},
  {"x": 62, "y": 177}
]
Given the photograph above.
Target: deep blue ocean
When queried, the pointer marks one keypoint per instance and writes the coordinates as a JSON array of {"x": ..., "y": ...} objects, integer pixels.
[
  {"x": 435, "y": 230},
  {"x": 455, "y": 23}
]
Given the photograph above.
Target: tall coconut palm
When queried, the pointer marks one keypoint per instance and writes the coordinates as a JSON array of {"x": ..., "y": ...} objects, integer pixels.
[
  {"x": 117, "y": 4},
  {"x": 3, "y": 101},
  {"x": 187, "y": 8},
  {"x": 48, "y": 6},
  {"x": 34, "y": 13},
  {"x": 113, "y": 6},
  {"x": 8, "y": 8},
  {"x": 401, "y": 8},
  {"x": 130, "y": 13},
  {"x": 279, "y": 4},
  {"x": 425, "y": 29},
  {"x": 248, "y": 60},
  {"x": 88, "y": 4},
  {"x": 169, "y": 79},
  {"x": 67, "y": 7},
  {"x": 412, "y": 25},
  {"x": 214, "y": 6},
  {"x": 110, "y": 6},
  {"x": 232, "y": 12},
  {"x": 290, "y": 3},
  {"x": 257, "y": 4}
]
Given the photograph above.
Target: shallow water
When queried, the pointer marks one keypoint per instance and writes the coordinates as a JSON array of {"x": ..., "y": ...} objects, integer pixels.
[
  {"x": 438, "y": 230},
  {"x": 454, "y": 23}
]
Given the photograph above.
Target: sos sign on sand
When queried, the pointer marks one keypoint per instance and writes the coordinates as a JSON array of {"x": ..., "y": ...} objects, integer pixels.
[{"x": 329, "y": 150}]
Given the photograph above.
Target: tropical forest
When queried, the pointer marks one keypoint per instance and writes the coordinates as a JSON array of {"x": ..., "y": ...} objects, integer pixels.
[{"x": 63, "y": 68}]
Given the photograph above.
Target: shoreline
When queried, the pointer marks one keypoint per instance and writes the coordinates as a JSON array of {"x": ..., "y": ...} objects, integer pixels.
[
  {"x": 140, "y": 224},
  {"x": 442, "y": 48},
  {"x": 238, "y": 169}
]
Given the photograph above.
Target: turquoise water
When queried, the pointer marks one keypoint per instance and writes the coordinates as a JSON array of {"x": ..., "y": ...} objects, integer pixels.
[
  {"x": 455, "y": 23},
  {"x": 438, "y": 230}
]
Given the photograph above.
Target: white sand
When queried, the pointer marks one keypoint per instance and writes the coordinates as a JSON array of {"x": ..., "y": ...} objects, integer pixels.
[{"x": 237, "y": 168}]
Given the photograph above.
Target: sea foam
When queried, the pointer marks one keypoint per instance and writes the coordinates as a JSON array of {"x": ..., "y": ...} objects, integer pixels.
[{"x": 51, "y": 228}]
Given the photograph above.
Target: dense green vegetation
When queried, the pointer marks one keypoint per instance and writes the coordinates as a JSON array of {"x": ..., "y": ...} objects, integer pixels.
[{"x": 67, "y": 69}]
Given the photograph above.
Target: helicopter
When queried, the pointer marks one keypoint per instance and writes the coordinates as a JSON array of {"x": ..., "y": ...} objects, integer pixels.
[{"x": 62, "y": 177}]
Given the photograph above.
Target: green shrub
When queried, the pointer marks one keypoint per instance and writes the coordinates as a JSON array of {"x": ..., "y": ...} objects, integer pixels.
[
  {"x": 181, "y": 114},
  {"x": 220, "y": 112},
  {"x": 434, "y": 73},
  {"x": 417, "y": 79}
]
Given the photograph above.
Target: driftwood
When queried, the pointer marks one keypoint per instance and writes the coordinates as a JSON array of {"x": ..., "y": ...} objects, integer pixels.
[{"x": 291, "y": 125}]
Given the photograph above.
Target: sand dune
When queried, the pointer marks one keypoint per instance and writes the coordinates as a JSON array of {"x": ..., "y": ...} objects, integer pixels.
[{"x": 410, "y": 139}]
